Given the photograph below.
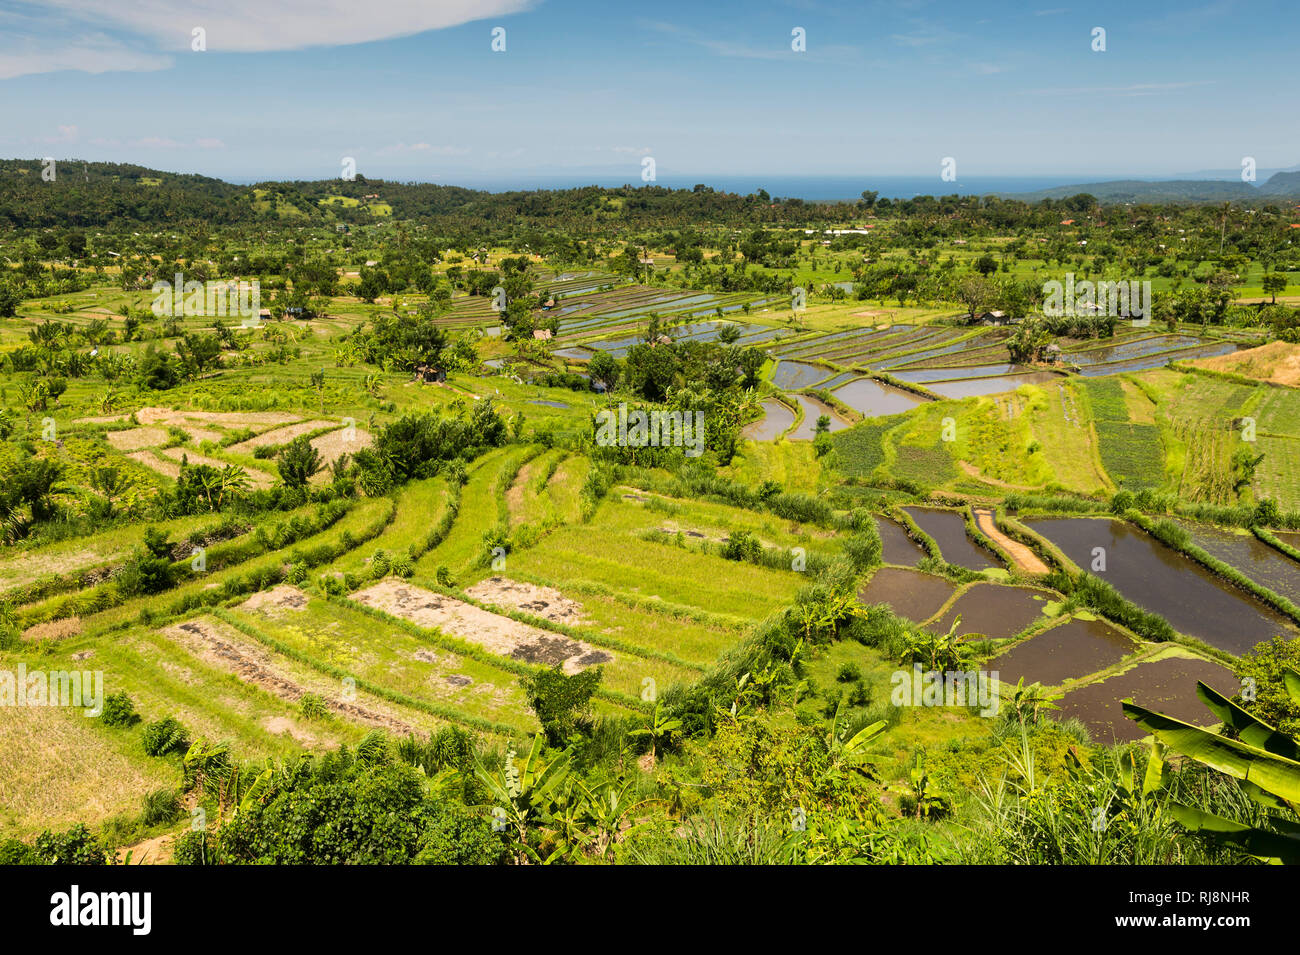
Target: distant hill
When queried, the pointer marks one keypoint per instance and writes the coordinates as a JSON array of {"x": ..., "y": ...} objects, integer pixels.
[{"x": 1281, "y": 184}]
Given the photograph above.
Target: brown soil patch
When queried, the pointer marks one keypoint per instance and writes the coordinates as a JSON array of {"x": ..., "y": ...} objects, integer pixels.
[
  {"x": 54, "y": 629},
  {"x": 222, "y": 419},
  {"x": 332, "y": 446},
  {"x": 279, "y": 597},
  {"x": 1024, "y": 557},
  {"x": 219, "y": 645},
  {"x": 1277, "y": 362},
  {"x": 155, "y": 463},
  {"x": 500, "y": 635},
  {"x": 137, "y": 438},
  {"x": 160, "y": 850},
  {"x": 545, "y": 602},
  {"x": 280, "y": 435}
]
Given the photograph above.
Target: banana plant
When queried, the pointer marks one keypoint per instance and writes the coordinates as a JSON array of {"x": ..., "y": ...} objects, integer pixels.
[
  {"x": 608, "y": 807},
  {"x": 1029, "y": 700},
  {"x": 1266, "y": 761},
  {"x": 525, "y": 796},
  {"x": 851, "y": 751},
  {"x": 660, "y": 727}
]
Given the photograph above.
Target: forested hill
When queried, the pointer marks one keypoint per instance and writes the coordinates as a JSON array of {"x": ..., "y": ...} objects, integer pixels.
[
  {"x": 1279, "y": 185},
  {"x": 114, "y": 195}
]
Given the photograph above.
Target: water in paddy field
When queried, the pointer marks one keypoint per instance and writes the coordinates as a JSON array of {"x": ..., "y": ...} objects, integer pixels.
[
  {"x": 874, "y": 399},
  {"x": 994, "y": 611},
  {"x": 918, "y": 375},
  {"x": 909, "y": 593},
  {"x": 896, "y": 546},
  {"x": 1250, "y": 555},
  {"x": 792, "y": 375},
  {"x": 1068, "y": 651},
  {"x": 776, "y": 419},
  {"x": 976, "y": 387},
  {"x": 1163, "y": 581},
  {"x": 1167, "y": 686},
  {"x": 812, "y": 410},
  {"x": 948, "y": 528}
]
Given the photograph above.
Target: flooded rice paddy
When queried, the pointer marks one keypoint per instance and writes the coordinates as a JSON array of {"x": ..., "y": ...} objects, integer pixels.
[
  {"x": 1161, "y": 580},
  {"x": 948, "y": 529}
]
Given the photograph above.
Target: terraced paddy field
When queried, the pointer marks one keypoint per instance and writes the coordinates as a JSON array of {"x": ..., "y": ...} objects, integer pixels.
[
  {"x": 427, "y": 599},
  {"x": 1070, "y": 650},
  {"x": 1165, "y": 684},
  {"x": 1165, "y": 582},
  {"x": 948, "y": 528},
  {"x": 909, "y": 593}
]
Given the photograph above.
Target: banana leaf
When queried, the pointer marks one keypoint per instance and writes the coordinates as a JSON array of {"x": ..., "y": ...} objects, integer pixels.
[
  {"x": 1274, "y": 774},
  {"x": 1259, "y": 843},
  {"x": 1253, "y": 731}
]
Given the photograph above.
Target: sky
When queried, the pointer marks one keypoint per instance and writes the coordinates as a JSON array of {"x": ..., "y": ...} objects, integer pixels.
[{"x": 414, "y": 90}]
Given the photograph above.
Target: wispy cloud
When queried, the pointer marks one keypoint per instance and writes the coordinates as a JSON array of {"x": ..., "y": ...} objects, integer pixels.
[
  {"x": 45, "y": 36},
  {"x": 87, "y": 53},
  {"x": 1133, "y": 89},
  {"x": 726, "y": 46},
  {"x": 429, "y": 149}
]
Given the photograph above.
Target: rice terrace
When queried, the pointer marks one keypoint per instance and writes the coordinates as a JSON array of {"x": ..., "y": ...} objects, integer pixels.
[{"x": 645, "y": 524}]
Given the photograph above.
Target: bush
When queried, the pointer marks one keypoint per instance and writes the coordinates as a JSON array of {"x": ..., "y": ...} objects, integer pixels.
[
  {"x": 312, "y": 707},
  {"x": 192, "y": 848},
  {"x": 119, "y": 711},
  {"x": 160, "y": 806},
  {"x": 74, "y": 847},
  {"x": 165, "y": 736},
  {"x": 742, "y": 545}
]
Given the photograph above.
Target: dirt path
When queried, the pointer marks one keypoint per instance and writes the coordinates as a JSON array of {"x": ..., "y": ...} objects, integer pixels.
[{"x": 1026, "y": 560}]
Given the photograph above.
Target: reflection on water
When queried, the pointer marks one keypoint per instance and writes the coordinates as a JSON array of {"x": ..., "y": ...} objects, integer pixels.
[
  {"x": 874, "y": 399},
  {"x": 1161, "y": 580},
  {"x": 948, "y": 529},
  {"x": 776, "y": 418},
  {"x": 812, "y": 410}
]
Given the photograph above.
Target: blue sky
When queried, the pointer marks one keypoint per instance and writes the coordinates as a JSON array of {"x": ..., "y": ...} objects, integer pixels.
[{"x": 413, "y": 90}]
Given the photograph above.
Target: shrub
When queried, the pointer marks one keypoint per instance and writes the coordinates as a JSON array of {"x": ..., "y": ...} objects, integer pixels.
[
  {"x": 312, "y": 707},
  {"x": 165, "y": 736},
  {"x": 74, "y": 847},
  {"x": 160, "y": 806},
  {"x": 119, "y": 711}
]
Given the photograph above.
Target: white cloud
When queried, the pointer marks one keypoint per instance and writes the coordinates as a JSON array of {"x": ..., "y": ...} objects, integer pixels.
[
  {"x": 425, "y": 148},
  {"x": 88, "y": 53},
  {"x": 253, "y": 26}
]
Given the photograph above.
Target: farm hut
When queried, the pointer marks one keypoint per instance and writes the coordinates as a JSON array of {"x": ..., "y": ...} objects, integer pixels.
[
  {"x": 542, "y": 334},
  {"x": 430, "y": 374}
]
